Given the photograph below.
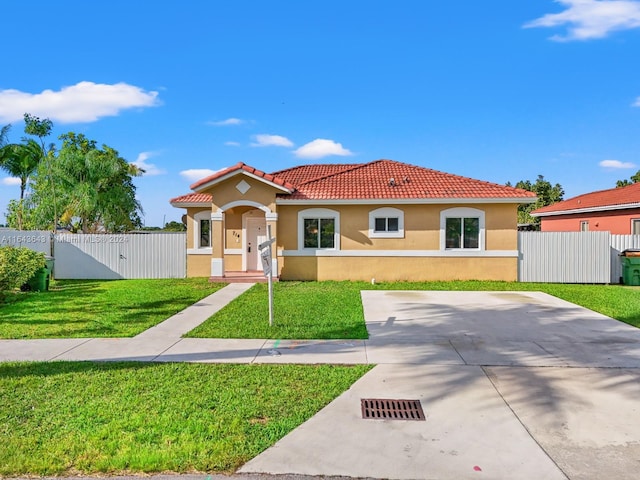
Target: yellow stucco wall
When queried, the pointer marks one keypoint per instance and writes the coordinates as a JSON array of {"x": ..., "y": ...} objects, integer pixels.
[
  {"x": 398, "y": 268},
  {"x": 421, "y": 225},
  {"x": 226, "y": 192},
  {"x": 501, "y": 227},
  {"x": 233, "y": 263},
  {"x": 198, "y": 265}
]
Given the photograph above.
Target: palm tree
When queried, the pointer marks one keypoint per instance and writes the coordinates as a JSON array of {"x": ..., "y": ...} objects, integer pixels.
[
  {"x": 3, "y": 134},
  {"x": 21, "y": 160}
]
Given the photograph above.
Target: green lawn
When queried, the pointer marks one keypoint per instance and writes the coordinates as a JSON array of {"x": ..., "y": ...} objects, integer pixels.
[
  {"x": 86, "y": 308},
  {"x": 87, "y": 418},
  {"x": 302, "y": 310},
  {"x": 332, "y": 310}
]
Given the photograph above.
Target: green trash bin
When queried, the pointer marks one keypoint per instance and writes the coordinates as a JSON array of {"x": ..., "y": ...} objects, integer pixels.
[
  {"x": 48, "y": 264},
  {"x": 40, "y": 280},
  {"x": 631, "y": 267}
]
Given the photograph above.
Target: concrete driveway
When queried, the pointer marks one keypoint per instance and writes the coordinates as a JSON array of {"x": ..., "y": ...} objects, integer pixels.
[{"x": 513, "y": 386}]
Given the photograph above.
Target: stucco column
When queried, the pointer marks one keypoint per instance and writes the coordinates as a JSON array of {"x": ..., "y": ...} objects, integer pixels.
[
  {"x": 217, "y": 244},
  {"x": 272, "y": 221}
]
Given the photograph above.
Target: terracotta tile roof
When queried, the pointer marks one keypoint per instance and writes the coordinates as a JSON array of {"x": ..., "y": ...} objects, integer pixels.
[
  {"x": 377, "y": 180},
  {"x": 192, "y": 198},
  {"x": 388, "y": 179},
  {"x": 613, "y": 197},
  {"x": 242, "y": 166},
  {"x": 306, "y": 173}
]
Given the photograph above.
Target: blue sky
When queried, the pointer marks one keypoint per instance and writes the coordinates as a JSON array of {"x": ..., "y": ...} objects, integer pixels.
[{"x": 498, "y": 90}]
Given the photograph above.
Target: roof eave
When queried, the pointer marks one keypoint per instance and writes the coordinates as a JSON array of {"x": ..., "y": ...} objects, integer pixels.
[
  {"x": 603, "y": 208},
  {"x": 404, "y": 201},
  {"x": 190, "y": 204}
]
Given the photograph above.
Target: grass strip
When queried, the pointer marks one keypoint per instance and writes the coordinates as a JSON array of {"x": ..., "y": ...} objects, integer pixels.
[
  {"x": 333, "y": 310},
  {"x": 302, "y": 310},
  {"x": 71, "y": 418},
  {"x": 86, "y": 308}
]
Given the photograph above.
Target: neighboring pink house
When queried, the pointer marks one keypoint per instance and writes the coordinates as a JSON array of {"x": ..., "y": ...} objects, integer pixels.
[{"x": 616, "y": 210}]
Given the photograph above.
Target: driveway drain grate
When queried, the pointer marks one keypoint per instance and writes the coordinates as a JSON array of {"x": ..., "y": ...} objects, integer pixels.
[{"x": 380, "y": 408}]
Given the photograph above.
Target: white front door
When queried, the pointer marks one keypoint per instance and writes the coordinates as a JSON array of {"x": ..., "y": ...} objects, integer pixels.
[{"x": 256, "y": 234}]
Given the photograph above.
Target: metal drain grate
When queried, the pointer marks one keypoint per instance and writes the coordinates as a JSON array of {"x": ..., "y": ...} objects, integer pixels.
[{"x": 380, "y": 408}]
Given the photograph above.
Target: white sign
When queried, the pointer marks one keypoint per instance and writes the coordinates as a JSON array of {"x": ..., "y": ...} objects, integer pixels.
[{"x": 265, "y": 255}]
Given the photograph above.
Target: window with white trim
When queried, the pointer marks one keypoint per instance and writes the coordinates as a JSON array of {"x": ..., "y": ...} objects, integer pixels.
[
  {"x": 386, "y": 222},
  {"x": 584, "y": 226},
  {"x": 635, "y": 226},
  {"x": 202, "y": 230},
  {"x": 462, "y": 228},
  {"x": 318, "y": 228}
]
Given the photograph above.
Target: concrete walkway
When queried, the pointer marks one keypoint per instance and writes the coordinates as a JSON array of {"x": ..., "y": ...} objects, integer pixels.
[{"x": 513, "y": 385}]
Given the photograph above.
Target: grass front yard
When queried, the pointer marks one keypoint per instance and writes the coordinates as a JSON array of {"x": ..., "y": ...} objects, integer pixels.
[
  {"x": 70, "y": 418},
  {"x": 95, "y": 308},
  {"x": 333, "y": 310}
]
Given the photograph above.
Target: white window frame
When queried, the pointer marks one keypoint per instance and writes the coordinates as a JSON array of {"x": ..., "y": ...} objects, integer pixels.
[
  {"x": 462, "y": 212},
  {"x": 196, "y": 248},
  {"x": 634, "y": 222},
  {"x": 584, "y": 225},
  {"x": 386, "y": 212},
  {"x": 316, "y": 213}
]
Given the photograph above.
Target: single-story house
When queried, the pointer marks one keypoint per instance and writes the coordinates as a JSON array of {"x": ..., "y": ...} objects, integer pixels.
[
  {"x": 616, "y": 210},
  {"x": 382, "y": 220}
]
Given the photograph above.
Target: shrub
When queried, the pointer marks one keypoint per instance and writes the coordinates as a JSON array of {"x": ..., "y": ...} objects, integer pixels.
[{"x": 17, "y": 265}]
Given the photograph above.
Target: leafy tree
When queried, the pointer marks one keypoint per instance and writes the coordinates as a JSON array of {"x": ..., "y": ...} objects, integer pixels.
[
  {"x": 547, "y": 193},
  {"x": 95, "y": 188},
  {"x": 175, "y": 227},
  {"x": 42, "y": 128},
  {"x": 20, "y": 213},
  {"x": 635, "y": 178}
]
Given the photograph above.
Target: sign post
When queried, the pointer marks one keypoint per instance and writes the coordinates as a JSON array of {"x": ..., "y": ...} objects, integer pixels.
[{"x": 265, "y": 256}]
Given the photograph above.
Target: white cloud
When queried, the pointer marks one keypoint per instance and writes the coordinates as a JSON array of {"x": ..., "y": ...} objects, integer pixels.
[
  {"x": 195, "y": 174},
  {"x": 265, "y": 140},
  {"x": 588, "y": 19},
  {"x": 10, "y": 181},
  {"x": 150, "y": 169},
  {"x": 321, "y": 147},
  {"x": 617, "y": 164},
  {"x": 227, "y": 122},
  {"x": 232, "y": 144},
  {"x": 81, "y": 103},
  {"x": 636, "y": 103}
]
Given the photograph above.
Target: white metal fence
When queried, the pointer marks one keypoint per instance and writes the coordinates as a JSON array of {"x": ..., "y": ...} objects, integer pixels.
[
  {"x": 107, "y": 256},
  {"x": 619, "y": 243},
  {"x": 572, "y": 257},
  {"x": 37, "y": 240}
]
